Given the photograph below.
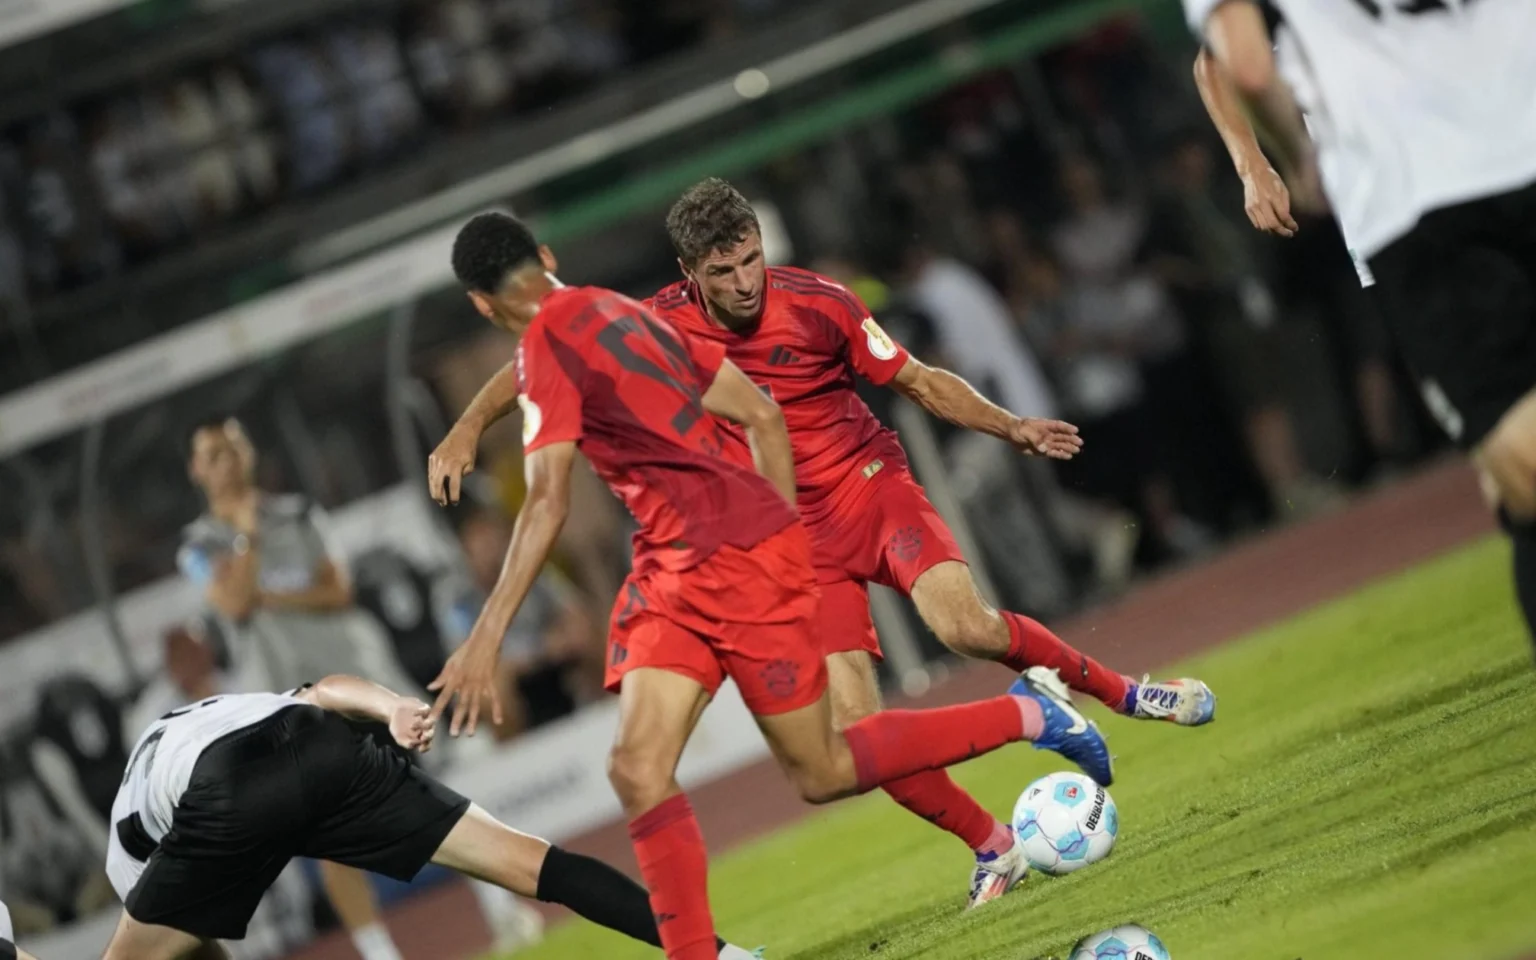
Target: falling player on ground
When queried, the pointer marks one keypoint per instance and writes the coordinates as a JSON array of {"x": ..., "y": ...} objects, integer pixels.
[
  {"x": 802, "y": 338},
  {"x": 1421, "y": 124},
  {"x": 722, "y": 583},
  {"x": 219, "y": 796}
]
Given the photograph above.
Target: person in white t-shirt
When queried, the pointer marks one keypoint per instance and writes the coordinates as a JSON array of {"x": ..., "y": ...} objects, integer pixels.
[{"x": 1418, "y": 119}]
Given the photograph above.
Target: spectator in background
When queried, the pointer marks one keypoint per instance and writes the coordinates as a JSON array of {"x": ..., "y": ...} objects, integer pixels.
[
  {"x": 265, "y": 566},
  {"x": 552, "y": 658},
  {"x": 1124, "y": 357},
  {"x": 1209, "y": 262},
  {"x": 189, "y": 672},
  {"x": 976, "y": 332}
]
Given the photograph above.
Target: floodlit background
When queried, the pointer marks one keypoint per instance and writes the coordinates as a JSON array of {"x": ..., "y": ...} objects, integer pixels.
[{"x": 244, "y": 207}]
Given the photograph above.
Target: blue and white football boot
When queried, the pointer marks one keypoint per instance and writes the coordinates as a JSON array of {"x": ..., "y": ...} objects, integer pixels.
[{"x": 1067, "y": 732}]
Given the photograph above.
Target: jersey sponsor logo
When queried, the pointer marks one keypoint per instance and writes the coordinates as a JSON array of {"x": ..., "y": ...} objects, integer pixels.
[
  {"x": 533, "y": 418},
  {"x": 882, "y": 346}
]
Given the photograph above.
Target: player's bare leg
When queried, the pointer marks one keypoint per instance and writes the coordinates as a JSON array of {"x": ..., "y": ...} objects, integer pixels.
[
  {"x": 657, "y": 713},
  {"x": 145, "y": 941},
  {"x": 948, "y": 601},
  {"x": 357, "y": 907},
  {"x": 933, "y": 795},
  {"x": 1506, "y": 462}
]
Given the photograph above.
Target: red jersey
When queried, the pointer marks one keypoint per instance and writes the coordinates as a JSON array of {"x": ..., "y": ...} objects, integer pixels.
[
  {"x": 599, "y": 369},
  {"x": 811, "y": 338}
]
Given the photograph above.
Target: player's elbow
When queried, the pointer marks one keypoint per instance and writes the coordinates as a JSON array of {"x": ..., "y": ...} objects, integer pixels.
[
  {"x": 548, "y": 503},
  {"x": 765, "y": 415},
  {"x": 1252, "y": 76}
]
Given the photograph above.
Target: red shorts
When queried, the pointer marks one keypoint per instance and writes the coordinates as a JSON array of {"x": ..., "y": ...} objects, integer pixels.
[
  {"x": 891, "y": 536},
  {"x": 747, "y": 614}
]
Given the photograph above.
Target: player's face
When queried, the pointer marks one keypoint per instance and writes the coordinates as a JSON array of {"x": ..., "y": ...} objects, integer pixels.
[
  {"x": 222, "y": 459},
  {"x": 733, "y": 280}
]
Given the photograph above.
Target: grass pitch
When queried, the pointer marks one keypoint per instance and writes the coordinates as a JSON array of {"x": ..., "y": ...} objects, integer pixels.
[{"x": 1368, "y": 791}]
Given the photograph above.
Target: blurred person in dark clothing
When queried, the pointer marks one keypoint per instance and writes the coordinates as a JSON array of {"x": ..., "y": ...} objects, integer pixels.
[
  {"x": 1210, "y": 265},
  {"x": 1123, "y": 359}
]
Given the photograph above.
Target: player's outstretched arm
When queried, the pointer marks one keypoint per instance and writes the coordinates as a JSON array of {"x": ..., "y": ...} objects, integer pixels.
[
  {"x": 454, "y": 458},
  {"x": 1265, "y": 197},
  {"x": 948, "y": 397},
  {"x": 1244, "y": 54},
  {"x": 470, "y": 674},
  {"x": 738, "y": 399},
  {"x": 409, "y": 719}
]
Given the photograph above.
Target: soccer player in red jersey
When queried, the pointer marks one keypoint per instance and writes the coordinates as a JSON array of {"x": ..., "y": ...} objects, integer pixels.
[
  {"x": 722, "y": 582},
  {"x": 803, "y": 338}
]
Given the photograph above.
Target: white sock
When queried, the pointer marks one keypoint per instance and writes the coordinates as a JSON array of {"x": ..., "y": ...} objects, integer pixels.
[{"x": 374, "y": 943}]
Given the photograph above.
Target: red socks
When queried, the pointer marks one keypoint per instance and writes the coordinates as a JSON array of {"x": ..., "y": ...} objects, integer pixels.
[
  {"x": 894, "y": 744},
  {"x": 1032, "y": 645},
  {"x": 939, "y": 800},
  {"x": 670, "y": 850}
]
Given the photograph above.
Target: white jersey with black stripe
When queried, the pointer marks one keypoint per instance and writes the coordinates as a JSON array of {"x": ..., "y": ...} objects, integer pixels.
[
  {"x": 160, "y": 768},
  {"x": 1414, "y": 105}
]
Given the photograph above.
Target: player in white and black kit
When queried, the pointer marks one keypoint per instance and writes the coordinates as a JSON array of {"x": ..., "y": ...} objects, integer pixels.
[
  {"x": 8, "y": 948},
  {"x": 1420, "y": 124},
  {"x": 219, "y": 796}
]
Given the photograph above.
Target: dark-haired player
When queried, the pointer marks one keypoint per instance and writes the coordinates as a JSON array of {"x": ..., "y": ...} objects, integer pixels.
[
  {"x": 1420, "y": 119},
  {"x": 803, "y": 338},
  {"x": 722, "y": 582},
  {"x": 220, "y": 795}
]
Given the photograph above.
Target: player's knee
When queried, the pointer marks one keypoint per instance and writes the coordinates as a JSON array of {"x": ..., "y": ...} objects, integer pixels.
[
  {"x": 830, "y": 776},
  {"x": 640, "y": 778},
  {"x": 972, "y": 631}
]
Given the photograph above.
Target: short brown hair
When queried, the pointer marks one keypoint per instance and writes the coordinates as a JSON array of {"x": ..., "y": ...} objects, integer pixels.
[{"x": 710, "y": 215}]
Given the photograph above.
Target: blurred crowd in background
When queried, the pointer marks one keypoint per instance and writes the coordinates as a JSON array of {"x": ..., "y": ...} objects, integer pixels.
[
  {"x": 1066, "y": 233},
  {"x": 121, "y": 176}
]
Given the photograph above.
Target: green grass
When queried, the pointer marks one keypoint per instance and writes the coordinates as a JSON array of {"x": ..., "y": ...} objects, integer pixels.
[{"x": 1368, "y": 792}]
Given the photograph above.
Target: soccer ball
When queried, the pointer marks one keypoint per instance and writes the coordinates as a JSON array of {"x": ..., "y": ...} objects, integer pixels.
[
  {"x": 1129, "y": 942},
  {"x": 1064, "y": 822}
]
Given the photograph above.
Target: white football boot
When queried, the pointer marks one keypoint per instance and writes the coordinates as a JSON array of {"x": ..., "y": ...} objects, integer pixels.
[
  {"x": 996, "y": 874},
  {"x": 1186, "y": 701}
]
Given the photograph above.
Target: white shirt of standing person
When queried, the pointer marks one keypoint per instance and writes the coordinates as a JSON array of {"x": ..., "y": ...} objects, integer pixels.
[
  {"x": 1414, "y": 105},
  {"x": 977, "y": 332}
]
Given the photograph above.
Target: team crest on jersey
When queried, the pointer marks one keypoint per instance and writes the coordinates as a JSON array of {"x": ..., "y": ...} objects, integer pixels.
[
  {"x": 882, "y": 346},
  {"x": 533, "y": 418}
]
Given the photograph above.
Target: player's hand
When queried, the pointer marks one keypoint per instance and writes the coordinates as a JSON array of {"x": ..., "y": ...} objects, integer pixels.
[
  {"x": 1045, "y": 438},
  {"x": 411, "y": 724},
  {"x": 1267, "y": 201},
  {"x": 450, "y": 463},
  {"x": 469, "y": 676}
]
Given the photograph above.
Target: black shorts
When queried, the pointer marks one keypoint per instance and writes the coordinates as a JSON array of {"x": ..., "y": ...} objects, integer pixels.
[
  {"x": 1459, "y": 292},
  {"x": 301, "y": 783}
]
